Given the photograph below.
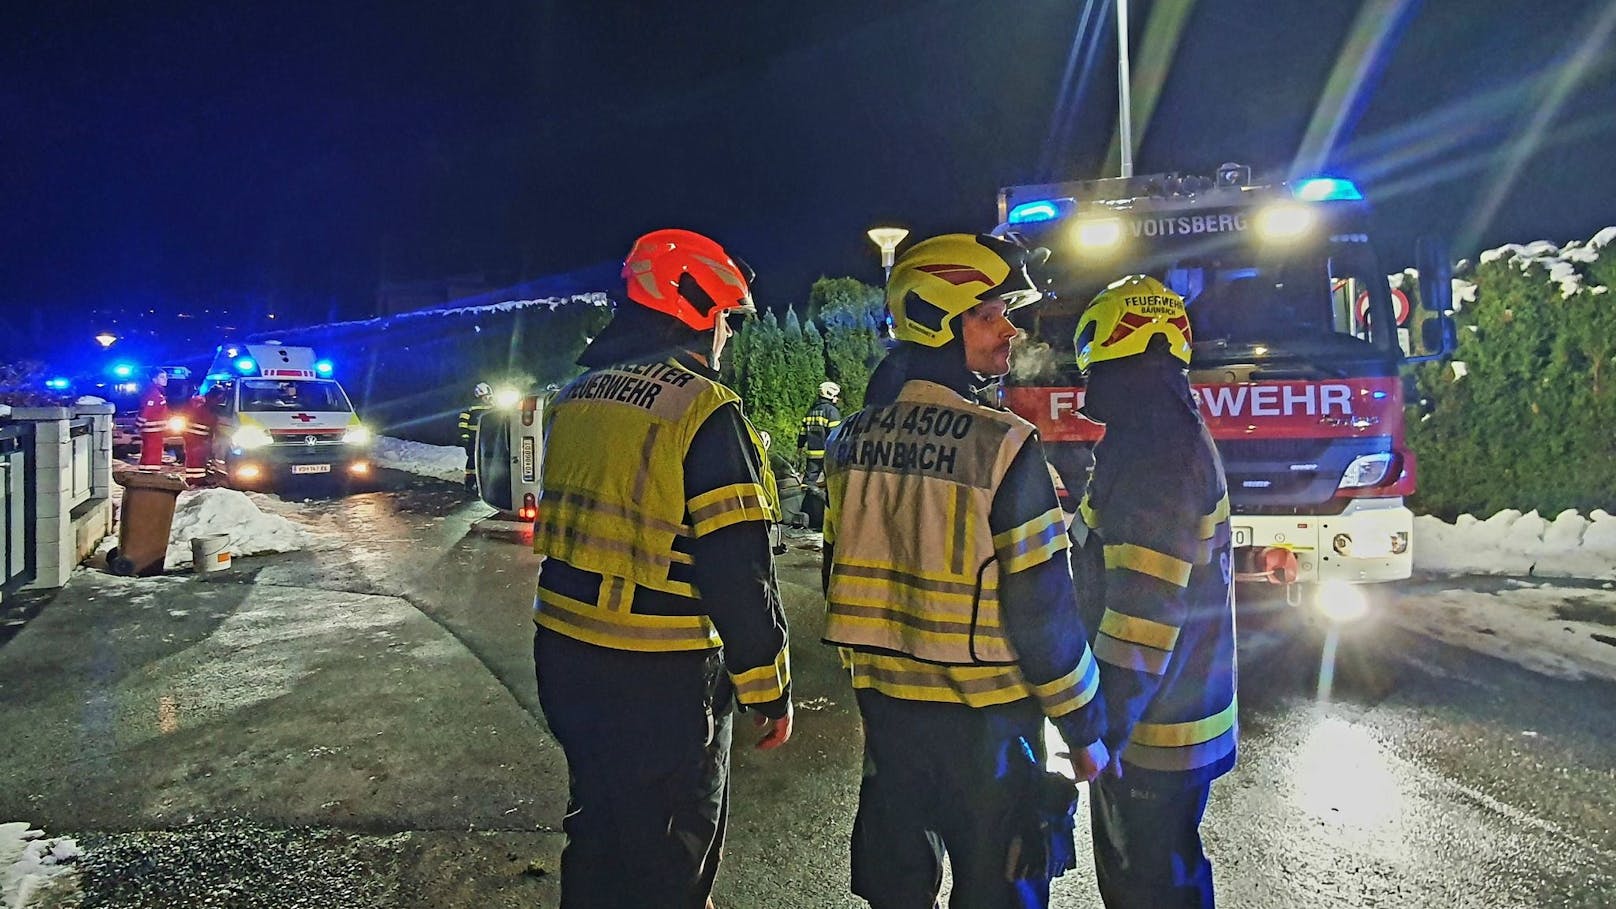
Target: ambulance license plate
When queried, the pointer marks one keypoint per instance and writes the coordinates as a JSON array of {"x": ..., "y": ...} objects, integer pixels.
[
  {"x": 311, "y": 468},
  {"x": 1242, "y": 536}
]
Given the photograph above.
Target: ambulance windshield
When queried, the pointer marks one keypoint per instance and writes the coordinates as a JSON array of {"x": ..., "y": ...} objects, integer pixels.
[{"x": 260, "y": 395}]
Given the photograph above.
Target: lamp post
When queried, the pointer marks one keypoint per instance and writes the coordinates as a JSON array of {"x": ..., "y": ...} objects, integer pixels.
[
  {"x": 106, "y": 339},
  {"x": 888, "y": 239}
]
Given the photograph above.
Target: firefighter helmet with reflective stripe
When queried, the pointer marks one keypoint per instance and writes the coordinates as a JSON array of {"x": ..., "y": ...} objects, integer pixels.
[
  {"x": 481, "y": 390},
  {"x": 1126, "y": 316},
  {"x": 683, "y": 274},
  {"x": 830, "y": 390},
  {"x": 935, "y": 281}
]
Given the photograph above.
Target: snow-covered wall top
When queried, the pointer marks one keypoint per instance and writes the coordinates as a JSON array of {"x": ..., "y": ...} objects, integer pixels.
[{"x": 1560, "y": 262}]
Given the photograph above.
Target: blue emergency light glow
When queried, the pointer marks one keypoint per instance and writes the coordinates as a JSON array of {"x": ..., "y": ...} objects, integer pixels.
[
  {"x": 1031, "y": 212},
  {"x": 323, "y": 367},
  {"x": 57, "y": 383},
  {"x": 1326, "y": 189},
  {"x": 122, "y": 370},
  {"x": 246, "y": 364}
]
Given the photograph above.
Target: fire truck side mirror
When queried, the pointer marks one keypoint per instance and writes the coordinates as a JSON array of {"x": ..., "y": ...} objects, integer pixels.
[{"x": 1436, "y": 274}]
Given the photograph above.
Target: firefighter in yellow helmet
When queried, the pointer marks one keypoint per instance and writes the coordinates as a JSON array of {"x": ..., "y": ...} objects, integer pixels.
[
  {"x": 1157, "y": 515},
  {"x": 947, "y": 584},
  {"x": 657, "y": 608}
]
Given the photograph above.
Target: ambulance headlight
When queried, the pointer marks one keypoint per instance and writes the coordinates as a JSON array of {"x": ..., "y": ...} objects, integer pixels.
[
  {"x": 1285, "y": 221},
  {"x": 1366, "y": 470},
  {"x": 506, "y": 397},
  {"x": 356, "y": 435},
  {"x": 249, "y": 437},
  {"x": 1099, "y": 234}
]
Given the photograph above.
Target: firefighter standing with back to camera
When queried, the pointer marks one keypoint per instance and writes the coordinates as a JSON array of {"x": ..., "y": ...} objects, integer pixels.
[
  {"x": 1157, "y": 515},
  {"x": 947, "y": 580},
  {"x": 657, "y": 606}
]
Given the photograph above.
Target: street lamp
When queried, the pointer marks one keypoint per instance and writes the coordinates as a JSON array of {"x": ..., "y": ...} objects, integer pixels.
[
  {"x": 106, "y": 339},
  {"x": 888, "y": 239}
]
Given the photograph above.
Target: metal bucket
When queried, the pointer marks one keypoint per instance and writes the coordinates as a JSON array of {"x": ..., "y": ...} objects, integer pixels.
[{"x": 210, "y": 553}]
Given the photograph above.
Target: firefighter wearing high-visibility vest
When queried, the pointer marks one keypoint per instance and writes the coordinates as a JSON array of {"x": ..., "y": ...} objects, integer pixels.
[
  {"x": 816, "y": 426},
  {"x": 152, "y": 420},
  {"x": 947, "y": 586},
  {"x": 482, "y": 401},
  {"x": 657, "y": 607},
  {"x": 1157, "y": 512}
]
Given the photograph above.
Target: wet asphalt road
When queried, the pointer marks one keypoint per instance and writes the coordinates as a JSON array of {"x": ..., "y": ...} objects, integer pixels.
[{"x": 1432, "y": 777}]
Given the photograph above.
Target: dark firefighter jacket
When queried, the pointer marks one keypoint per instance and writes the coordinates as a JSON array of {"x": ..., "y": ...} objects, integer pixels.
[
  {"x": 822, "y": 418},
  {"x": 468, "y": 426},
  {"x": 946, "y": 556},
  {"x": 1164, "y": 626},
  {"x": 654, "y": 523}
]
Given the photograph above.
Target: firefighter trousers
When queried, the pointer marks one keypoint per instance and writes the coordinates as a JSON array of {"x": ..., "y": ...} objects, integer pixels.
[
  {"x": 1147, "y": 844},
  {"x": 647, "y": 739},
  {"x": 935, "y": 782}
]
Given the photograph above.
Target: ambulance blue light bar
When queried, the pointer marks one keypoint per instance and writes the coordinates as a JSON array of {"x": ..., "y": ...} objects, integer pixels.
[
  {"x": 1326, "y": 189},
  {"x": 1033, "y": 212},
  {"x": 246, "y": 365},
  {"x": 122, "y": 370},
  {"x": 323, "y": 367},
  {"x": 57, "y": 384}
]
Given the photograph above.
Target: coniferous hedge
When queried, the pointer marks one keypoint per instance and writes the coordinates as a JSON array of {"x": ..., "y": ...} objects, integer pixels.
[{"x": 1525, "y": 417}]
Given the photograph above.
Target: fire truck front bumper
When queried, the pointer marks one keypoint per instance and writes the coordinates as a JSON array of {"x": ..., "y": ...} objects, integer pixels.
[{"x": 1370, "y": 541}]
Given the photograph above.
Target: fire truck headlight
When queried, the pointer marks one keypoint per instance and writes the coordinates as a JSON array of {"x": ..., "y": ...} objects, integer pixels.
[
  {"x": 506, "y": 397},
  {"x": 356, "y": 435},
  {"x": 1099, "y": 234},
  {"x": 176, "y": 424},
  {"x": 1342, "y": 602},
  {"x": 1366, "y": 470},
  {"x": 1285, "y": 221},
  {"x": 249, "y": 437}
]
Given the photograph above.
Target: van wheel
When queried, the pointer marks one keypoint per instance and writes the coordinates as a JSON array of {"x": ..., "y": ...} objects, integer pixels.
[{"x": 119, "y": 565}]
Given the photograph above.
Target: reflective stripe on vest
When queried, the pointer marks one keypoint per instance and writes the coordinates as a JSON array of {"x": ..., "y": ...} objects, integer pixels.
[{"x": 915, "y": 569}]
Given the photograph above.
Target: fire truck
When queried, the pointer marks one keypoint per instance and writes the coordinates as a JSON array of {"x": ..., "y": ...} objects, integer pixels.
[{"x": 1299, "y": 344}]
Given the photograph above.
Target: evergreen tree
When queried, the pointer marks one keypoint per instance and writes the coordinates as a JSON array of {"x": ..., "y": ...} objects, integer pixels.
[{"x": 851, "y": 312}]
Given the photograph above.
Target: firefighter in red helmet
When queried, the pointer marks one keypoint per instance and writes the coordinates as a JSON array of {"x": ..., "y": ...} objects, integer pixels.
[{"x": 657, "y": 608}]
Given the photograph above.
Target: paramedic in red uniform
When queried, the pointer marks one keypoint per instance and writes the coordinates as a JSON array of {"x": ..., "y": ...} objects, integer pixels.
[
  {"x": 201, "y": 418},
  {"x": 152, "y": 422}
]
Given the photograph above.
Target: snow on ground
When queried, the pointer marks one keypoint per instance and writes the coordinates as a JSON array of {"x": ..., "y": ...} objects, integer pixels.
[
  {"x": 441, "y": 462},
  {"x": 204, "y": 512},
  {"x": 1511, "y": 543},
  {"x": 33, "y": 867},
  {"x": 1559, "y": 631}
]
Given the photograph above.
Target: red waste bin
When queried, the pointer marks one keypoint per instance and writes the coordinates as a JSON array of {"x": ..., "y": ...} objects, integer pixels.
[{"x": 144, "y": 521}]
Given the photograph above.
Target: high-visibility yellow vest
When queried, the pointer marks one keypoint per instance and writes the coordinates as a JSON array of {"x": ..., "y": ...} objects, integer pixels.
[
  {"x": 614, "y": 502},
  {"x": 915, "y": 570}
]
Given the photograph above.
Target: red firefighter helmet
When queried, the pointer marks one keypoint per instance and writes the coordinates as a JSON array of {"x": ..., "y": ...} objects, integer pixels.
[{"x": 683, "y": 274}]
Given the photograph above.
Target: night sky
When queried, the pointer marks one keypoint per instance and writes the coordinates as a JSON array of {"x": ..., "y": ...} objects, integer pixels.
[{"x": 181, "y": 155}]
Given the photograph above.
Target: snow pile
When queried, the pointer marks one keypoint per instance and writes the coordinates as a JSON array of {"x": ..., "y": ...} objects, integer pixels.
[
  {"x": 32, "y": 866},
  {"x": 205, "y": 512},
  {"x": 594, "y": 299},
  {"x": 1559, "y": 261},
  {"x": 1511, "y": 543},
  {"x": 441, "y": 462},
  {"x": 1556, "y": 630},
  {"x": 1408, "y": 280},
  {"x": 90, "y": 399}
]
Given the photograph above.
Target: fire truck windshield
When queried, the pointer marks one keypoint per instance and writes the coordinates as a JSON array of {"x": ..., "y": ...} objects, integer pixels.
[{"x": 1322, "y": 305}]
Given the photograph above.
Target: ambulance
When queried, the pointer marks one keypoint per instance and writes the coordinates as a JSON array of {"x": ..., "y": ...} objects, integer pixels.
[{"x": 281, "y": 416}]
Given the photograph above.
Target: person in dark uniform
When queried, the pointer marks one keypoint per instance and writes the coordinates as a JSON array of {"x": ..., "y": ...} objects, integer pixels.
[
  {"x": 657, "y": 608},
  {"x": 822, "y": 418},
  {"x": 947, "y": 584},
  {"x": 482, "y": 400},
  {"x": 1157, "y": 521}
]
